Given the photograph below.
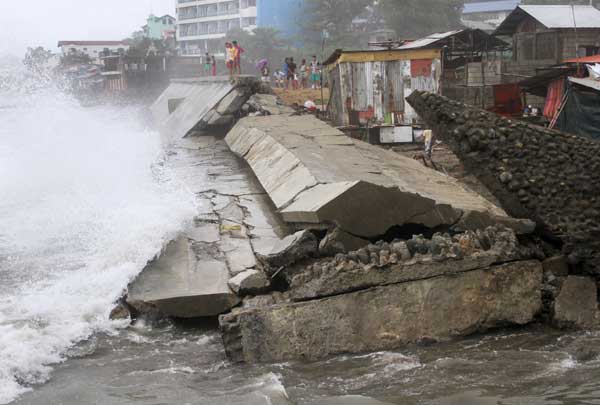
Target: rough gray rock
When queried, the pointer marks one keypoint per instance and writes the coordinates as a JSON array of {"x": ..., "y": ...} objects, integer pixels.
[
  {"x": 268, "y": 104},
  {"x": 391, "y": 264},
  {"x": 338, "y": 241},
  {"x": 474, "y": 220},
  {"x": 387, "y": 317},
  {"x": 557, "y": 266},
  {"x": 249, "y": 282},
  {"x": 576, "y": 306},
  {"x": 289, "y": 250},
  {"x": 177, "y": 284},
  {"x": 120, "y": 312}
]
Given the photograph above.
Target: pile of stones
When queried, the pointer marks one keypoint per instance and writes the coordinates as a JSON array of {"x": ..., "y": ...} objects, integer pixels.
[{"x": 547, "y": 176}]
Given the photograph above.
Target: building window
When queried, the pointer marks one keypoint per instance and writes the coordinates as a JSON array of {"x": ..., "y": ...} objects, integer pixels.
[
  {"x": 545, "y": 45},
  {"x": 588, "y": 50}
]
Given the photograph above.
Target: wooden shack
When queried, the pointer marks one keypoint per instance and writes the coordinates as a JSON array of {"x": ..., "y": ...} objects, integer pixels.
[{"x": 545, "y": 35}]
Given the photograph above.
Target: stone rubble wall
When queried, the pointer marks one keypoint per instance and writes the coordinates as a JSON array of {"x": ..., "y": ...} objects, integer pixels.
[{"x": 545, "y": 175}]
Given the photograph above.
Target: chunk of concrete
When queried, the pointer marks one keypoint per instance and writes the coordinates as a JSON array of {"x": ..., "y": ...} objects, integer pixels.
[
  {"x": 249, "y": 282},
  {"x": 338, "y": 241},
  {"x": 291, "y": 249},
  {"x": 268, "y": 104},
  {"x": 317, "y": 176},
  {"x": 232, "y": 103},
  {"x": 557, "y": 266},
  {"x": 177, "y": 284},
  {"x": 386, "y": 318},
  {"x": 576, "y": 306},
  {"x": 474, "y": 220}
]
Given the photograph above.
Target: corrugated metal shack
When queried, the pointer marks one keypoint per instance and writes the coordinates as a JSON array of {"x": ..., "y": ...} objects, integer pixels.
[
  {"x": 369, "y": 87},
  {"x": 472, "y": 64}
]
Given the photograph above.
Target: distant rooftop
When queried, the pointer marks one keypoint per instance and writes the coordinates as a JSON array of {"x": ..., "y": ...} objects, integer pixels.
[
  {"x": 91, "y": 43},
  {"x": 490, "y": 6},
  {"x": 551, "y": 17}
]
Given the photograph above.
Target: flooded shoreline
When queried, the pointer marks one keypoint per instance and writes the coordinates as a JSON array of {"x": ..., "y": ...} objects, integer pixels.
[{"x": 175, "y": 363}]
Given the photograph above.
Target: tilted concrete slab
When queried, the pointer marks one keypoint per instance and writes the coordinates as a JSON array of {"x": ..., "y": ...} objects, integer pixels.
[
  {"x": 180, "y": 285},
  {"x": 200, "y": 99},
  {"x": 314, "y": 174},
  {"x": 386, "y": 317},
  {"x": 235, "y": 220},
  {"x": 176, "y": 91}
]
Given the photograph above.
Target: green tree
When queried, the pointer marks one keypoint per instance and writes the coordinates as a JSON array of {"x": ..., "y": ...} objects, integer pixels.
[
  {"x": 335, "y": 17},
  {"x": 261, "y": 43},
  {"x": 416, "y": 18}
]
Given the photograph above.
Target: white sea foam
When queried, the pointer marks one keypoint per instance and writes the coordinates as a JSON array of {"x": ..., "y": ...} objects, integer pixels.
[{"x": 82, "y": 211}]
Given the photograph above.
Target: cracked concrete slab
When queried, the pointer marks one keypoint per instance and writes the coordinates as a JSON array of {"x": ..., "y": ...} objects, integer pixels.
[
  {"x": 179, "y": 285},
  {"x": 316, "y": 175},
  {"x": 235, "y": 220}
]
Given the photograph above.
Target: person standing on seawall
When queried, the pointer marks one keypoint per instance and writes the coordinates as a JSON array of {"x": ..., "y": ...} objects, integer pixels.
[
  {"x": 230, "y": 58},
  {"x": 238, "y": 57},
  {"x": 206, "y": 64}
]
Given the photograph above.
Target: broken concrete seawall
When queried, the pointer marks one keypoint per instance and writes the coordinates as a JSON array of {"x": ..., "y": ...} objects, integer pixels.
[{"x": 304, "y": 242}]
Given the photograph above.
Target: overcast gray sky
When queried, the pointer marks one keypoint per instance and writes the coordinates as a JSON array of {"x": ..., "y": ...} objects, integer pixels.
[{"x": 44, "y": 22}]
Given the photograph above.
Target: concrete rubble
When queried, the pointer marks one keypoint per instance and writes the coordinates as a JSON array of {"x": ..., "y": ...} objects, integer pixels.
[
  {"x": 386, "y": 317},
  {"x": 191, "y": 105},
  {"x": 309, "y": 243},
  {"x": 576, "y": 305},
  {"x": 318, "y": 177}
]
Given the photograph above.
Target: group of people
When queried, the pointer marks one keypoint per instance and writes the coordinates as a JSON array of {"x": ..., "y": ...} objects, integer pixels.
[
  {"x": 233, "y": 53},
  {"x": 292, "y": 76}
]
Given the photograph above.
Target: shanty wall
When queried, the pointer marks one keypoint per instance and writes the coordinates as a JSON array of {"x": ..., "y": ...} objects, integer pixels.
[{"x": 369, "y": 90}]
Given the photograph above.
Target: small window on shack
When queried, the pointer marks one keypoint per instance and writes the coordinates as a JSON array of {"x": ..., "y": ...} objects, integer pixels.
[
  {"x": 588, "y": 50},
  {"x": 545, "y": 45}
]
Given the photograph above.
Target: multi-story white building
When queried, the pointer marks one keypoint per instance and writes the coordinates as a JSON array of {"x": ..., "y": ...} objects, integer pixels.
[{"x": 202, "y": 24}]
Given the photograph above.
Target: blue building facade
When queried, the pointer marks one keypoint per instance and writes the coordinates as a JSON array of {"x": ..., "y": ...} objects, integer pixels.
[{"x": 283, "y": 15}]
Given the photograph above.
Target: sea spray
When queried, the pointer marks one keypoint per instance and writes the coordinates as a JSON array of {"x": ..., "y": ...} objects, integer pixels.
[{"x": 85, "y": 204}]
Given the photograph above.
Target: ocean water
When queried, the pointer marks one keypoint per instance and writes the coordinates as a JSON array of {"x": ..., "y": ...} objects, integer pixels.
[
  {"x": 84, "y": 204},
  {"x": 87, "y": 198}
]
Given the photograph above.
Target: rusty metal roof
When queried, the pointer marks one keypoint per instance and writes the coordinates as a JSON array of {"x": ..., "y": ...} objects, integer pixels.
[
  {"x": 551, "y": 17},
  {"x": 459, "y": 38}
]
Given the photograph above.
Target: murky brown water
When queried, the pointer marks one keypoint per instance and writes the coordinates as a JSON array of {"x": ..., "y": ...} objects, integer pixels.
[{"x": 175, "y": 364}]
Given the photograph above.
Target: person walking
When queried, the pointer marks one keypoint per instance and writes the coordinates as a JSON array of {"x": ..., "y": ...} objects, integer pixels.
[
  {"x": 238, "y": 57},
  {"x": 206, "y": 64},
  {"x": 315, "y": 73},
  {"x": 214, "y": 65},
  {"x": 285, "y": 70},
  {"x": 428, "y": 140},
  {"x": 303, "y": 74},
  {"x": 291, "y": 77}
]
